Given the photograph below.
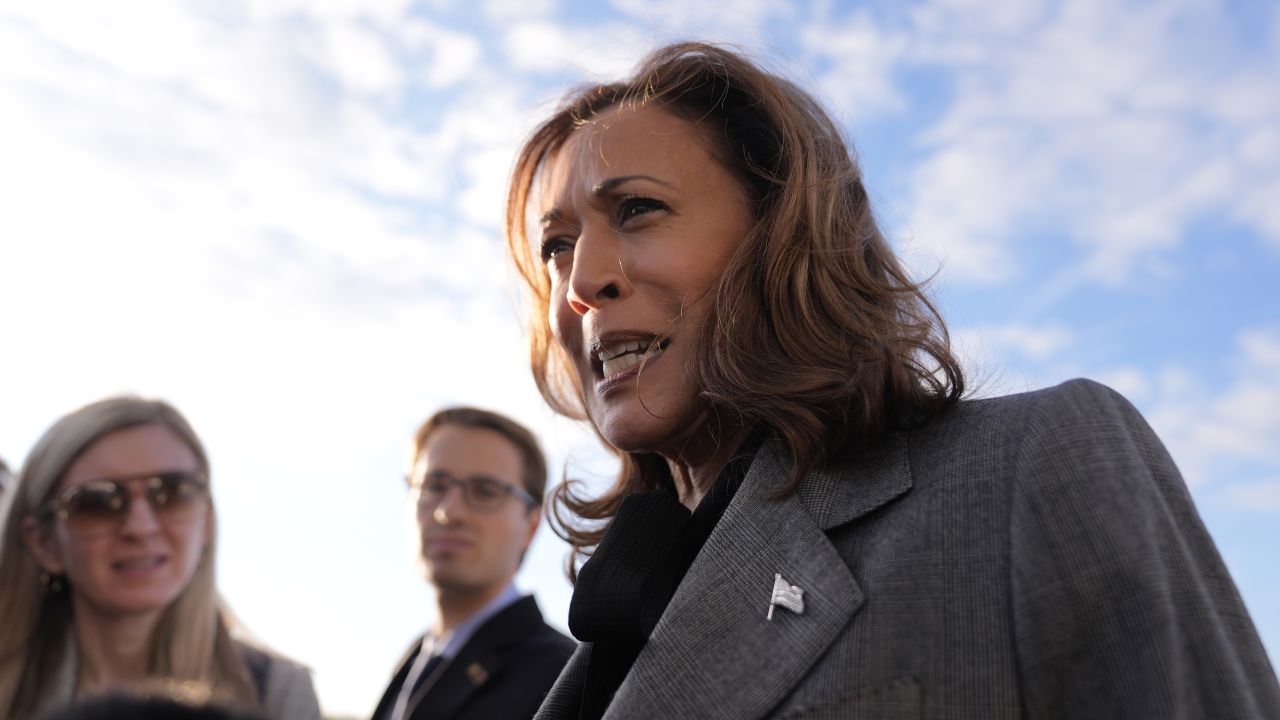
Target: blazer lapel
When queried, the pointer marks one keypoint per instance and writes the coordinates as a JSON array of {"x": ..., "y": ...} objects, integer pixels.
[
  {"x": 388, "y": 701},
  {"x": 714, "y": 654},
  {"x": 482, "y": 657},
  {"x": 565, "y": 698},
  {"x": 844, "y": 492}
]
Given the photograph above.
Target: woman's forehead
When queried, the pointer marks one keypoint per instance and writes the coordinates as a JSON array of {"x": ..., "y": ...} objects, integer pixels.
[
  {"x": 622, "y": 141},
  {"x": 133, "y": 450}
]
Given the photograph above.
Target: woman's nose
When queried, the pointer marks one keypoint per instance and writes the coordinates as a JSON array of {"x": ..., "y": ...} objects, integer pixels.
[
  {"x": 140, "y": 517},
  {"x": 597, "y": 275}
]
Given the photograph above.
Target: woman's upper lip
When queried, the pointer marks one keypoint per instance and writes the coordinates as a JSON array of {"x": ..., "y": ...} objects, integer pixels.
[
  {"x": 141, "y": 557},
  {"x": 448, "y": 539}
]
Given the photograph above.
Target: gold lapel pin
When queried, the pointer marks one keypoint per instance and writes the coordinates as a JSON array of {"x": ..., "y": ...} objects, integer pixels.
[{"x": 477, "y": 674}]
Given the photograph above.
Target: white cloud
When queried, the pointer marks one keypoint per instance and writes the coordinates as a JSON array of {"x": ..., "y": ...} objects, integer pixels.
[
  {"x": 1117, "y": 125},
  {"x": 1256, "y": 497},
  {"x": 604, "y": 53},
  {"x": 507, "y": 10},
  {"x": 1129, "y": 381},
  {"x": 213, "y": 234},
  {"x": 1255, "y": 198},
  {"x": 1213, "y": 436},
  {"x": 1011, "y": 358},
  {"x": 107, "y": 35},
  {"x": 860, "y": 56},
  {"x": 360, "y": 58},
  {"x": 959, "y": 217},
  {"x": 1035, "y": 342},
  {"x": 452, "y": 56},
  {"x": 380, "y": 10},
  {"x": 745, "y": 20},
  {"x": 1248, "y": 414}
]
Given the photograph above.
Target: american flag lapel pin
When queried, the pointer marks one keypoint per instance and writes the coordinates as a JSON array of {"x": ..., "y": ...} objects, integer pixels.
[{"x": 787, "y": 595}]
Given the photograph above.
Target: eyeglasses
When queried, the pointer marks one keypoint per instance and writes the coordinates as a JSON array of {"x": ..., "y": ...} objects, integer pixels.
[
  {"x": 480, "y": 492},
  {"x": 99, "y": 507}
]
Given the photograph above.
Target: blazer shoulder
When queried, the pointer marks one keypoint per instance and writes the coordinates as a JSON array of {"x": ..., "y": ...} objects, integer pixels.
[
  {"x": 288, "y": 690},
  {"x": 1081, "y": 432},
  {"x": 1078, "y": 407},
  {"x": 1113, "y": 574},
  {"x": 1074, "y": 397},
  {"x": 550, "y": 642},
  {"x": 520, "y": 623},
  {"x": 988, "y": 436},
  {"x": 520, "y": 631},
  {"x": 1065, "y": 396}
]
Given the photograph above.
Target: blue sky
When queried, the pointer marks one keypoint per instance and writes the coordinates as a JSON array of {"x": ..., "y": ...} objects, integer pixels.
[{"x": 284, "y": 216}]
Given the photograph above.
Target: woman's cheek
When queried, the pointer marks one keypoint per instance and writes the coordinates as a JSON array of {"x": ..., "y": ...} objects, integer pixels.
[{"x": 565, "y": 327}]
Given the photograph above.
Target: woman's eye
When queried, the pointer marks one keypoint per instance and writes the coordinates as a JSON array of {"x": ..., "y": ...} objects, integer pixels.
[
  {"x": 553, "y": 246},
  {"x": 634, "y": 207}
]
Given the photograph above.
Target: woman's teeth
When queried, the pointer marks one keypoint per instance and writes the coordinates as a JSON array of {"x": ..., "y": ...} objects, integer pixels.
[
  {"x": 140, "y": 563},
  {"x": 629, "y": 354}
]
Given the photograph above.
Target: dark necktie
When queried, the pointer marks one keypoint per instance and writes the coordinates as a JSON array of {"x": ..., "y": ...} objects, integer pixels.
[{"x": 432, "y": 663}]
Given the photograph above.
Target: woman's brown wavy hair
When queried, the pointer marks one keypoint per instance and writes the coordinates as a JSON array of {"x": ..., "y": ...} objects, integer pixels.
[{"x": 817, "y": 335}]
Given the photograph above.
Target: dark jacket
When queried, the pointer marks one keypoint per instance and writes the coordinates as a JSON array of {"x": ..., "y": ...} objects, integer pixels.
[
  {"x": 1034, "y": 556},
  {"x": 503, "y": 671}
]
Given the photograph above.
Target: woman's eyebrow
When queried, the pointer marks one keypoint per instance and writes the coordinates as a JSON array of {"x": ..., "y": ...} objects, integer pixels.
[
  {"x": 600, "y": 189},
  {"x": 604, "y": 186}
]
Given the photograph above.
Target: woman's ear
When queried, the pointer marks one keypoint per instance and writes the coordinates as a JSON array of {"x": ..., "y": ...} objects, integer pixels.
[{"x": 43, "y": 545}]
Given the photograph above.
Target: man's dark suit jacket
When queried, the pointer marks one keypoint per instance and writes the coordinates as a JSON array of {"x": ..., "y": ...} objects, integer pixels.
[{"x": 503, "y": 671}]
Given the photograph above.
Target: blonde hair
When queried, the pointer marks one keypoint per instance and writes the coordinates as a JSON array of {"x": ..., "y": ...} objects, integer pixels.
[
  {"x": 191, "y": 642},
  {"x": 816, "y": 334}
]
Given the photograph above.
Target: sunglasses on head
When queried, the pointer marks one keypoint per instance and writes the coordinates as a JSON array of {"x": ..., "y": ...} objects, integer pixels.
[{"x": 100, "y": 506}]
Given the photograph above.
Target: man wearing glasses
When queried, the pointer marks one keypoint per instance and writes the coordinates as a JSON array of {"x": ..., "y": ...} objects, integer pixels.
[{"x": 477, "y": 480}]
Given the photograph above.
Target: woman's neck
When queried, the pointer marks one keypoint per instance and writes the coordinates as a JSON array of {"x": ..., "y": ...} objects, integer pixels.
[
  {"x": 695, "y": 468},
  {"x": 114, "y": 651}
]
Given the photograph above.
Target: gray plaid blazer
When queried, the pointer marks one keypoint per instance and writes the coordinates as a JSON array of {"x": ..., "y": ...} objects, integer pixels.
[{"x": 1029, "y": 556}]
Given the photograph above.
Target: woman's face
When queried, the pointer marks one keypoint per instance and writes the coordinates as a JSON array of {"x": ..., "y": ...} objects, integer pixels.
[
  {"x": 141, "y": 563},
  {"x": 638, "y": 222}
]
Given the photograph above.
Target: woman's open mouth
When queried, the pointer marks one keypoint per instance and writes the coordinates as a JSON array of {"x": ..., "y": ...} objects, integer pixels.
[{"x": 619, "y": 357}]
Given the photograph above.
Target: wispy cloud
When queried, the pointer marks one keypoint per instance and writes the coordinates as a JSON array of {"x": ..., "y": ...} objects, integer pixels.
[
  {"x": 1256, "y": 497},
  {"x": 544, "y": 46},
  {"x": 1011, "y": 357},
  {"x": 860, "y": 56},
  {"x": 1117, "y": 125},
  {"x": 745, "y": 21},
  {"x": 1230, "y": 434}
]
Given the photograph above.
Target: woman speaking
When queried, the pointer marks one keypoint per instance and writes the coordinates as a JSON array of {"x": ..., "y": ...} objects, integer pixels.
[
  {"x": 106, "y": 572},
  {"x": 809, "y": 521}
]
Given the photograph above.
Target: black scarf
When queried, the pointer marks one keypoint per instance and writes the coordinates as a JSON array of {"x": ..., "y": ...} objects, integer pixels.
[{"x": 625, "y": 586}]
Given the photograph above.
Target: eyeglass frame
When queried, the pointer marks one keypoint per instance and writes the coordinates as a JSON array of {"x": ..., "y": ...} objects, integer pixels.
[
  {"x": 466, "y": 484},
  {"x": 55, "y": 507}
]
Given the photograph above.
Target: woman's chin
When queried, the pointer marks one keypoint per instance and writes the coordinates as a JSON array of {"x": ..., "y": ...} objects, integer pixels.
[{"x": 641, "y": 429}]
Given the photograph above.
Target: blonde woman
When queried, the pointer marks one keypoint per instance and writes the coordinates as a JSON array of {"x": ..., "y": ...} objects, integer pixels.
[{"x": 107, "y": 567}]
